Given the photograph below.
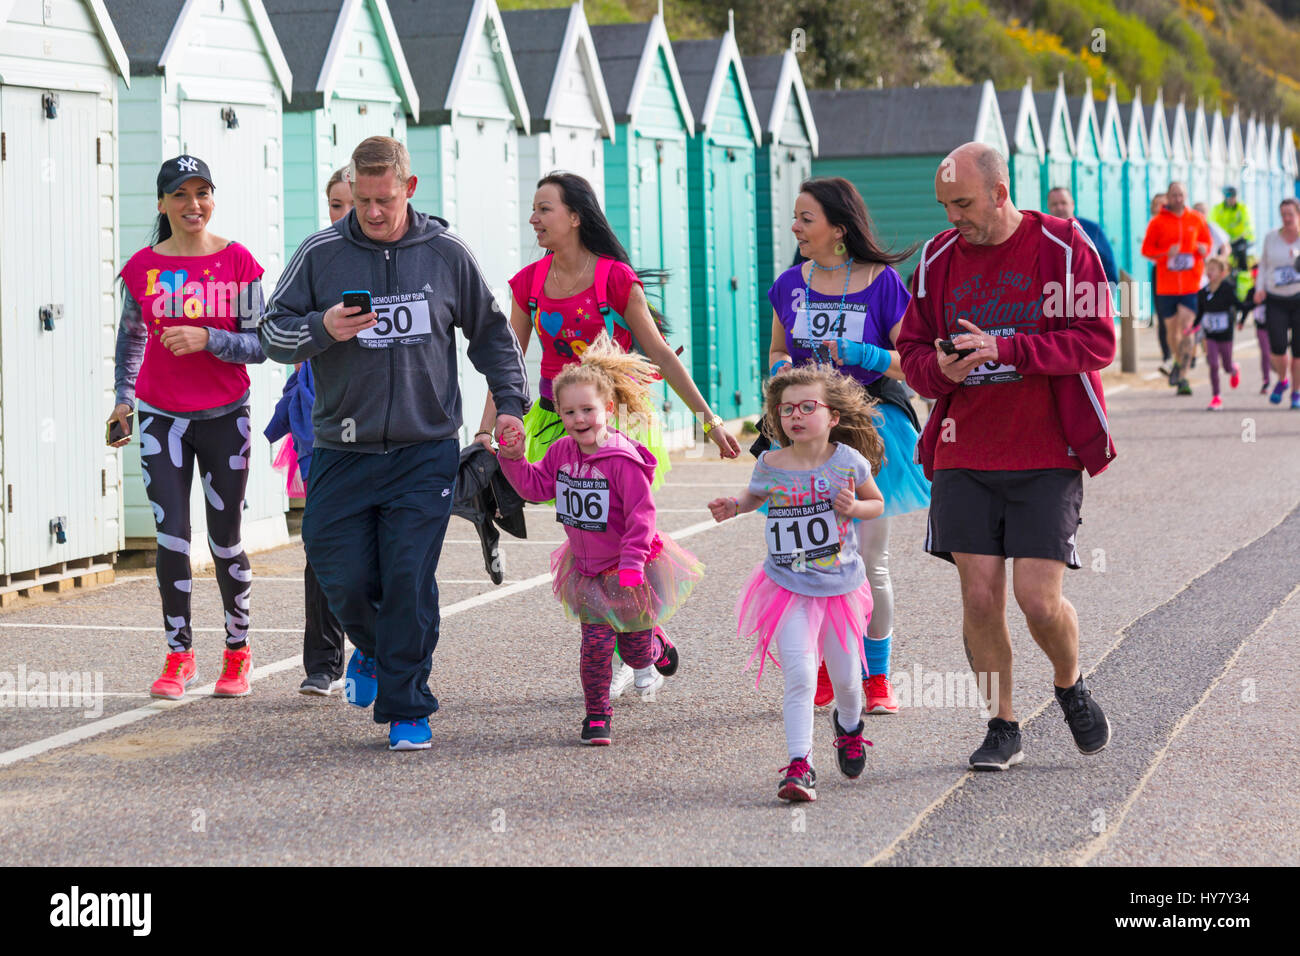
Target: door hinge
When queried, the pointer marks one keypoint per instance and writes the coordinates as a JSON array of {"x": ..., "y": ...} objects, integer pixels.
[
  {"x": 99, "y": 150},
  {"x": 334, "y": 136},
  {"x": 9, "y": 495},
  {"x": 103, "y": 482},
  {"x": 4, "y": 148}
]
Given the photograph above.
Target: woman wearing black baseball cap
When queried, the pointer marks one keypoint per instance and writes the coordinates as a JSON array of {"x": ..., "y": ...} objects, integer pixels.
[{"x": 190, "y": 307}]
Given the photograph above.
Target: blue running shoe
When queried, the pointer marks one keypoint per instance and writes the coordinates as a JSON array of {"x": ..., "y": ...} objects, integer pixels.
[
  {"x": 410, "y": 735},
  {"x": 361, "y": 684},
  {"x": 1279, "y": 390}
]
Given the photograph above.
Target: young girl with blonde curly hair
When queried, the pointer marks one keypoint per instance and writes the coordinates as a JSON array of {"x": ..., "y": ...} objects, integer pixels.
[
  {"x": 813, "y": 584},
  {"x": 616, "y": 574}
]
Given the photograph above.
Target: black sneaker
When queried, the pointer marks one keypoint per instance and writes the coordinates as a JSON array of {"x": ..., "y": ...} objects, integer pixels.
[
  {"x": 1001, "y": 747},
  {"x": 799, "y": 783},
  {"x": 1089, "y": 725},
  {"x": 667, "y": 663},
  {"x": 320, "y": 685},
  {"x": 596, "y": 730},
  {"x": 849, "y": 752},
  {"x": 1175, "y": 375}
]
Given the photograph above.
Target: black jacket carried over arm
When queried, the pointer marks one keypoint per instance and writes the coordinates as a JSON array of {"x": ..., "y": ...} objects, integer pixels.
[{"x": 486, "y": 498}]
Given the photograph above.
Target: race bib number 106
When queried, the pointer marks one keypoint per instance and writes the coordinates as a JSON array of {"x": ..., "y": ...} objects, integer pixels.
[
  {"x": 582, "y": 503},
  {"x": 401, "y": 319}
]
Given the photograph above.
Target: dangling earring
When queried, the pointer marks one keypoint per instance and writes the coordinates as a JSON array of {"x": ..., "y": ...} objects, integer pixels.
[{"x": 839, "y": 248}]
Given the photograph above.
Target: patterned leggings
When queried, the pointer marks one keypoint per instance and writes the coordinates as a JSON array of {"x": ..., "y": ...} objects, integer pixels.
[
  {"x": 637, "y": 648},
  {"x": 168, "y": 448}
]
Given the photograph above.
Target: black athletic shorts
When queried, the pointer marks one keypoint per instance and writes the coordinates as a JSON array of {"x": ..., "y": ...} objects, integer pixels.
[
  {"x": 1014, "y": 514},
  {"x": 1282, "y": 321}
]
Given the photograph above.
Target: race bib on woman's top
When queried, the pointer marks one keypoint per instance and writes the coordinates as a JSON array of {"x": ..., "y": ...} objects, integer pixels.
[
  {"x": 1285, "y": 275},
  {"x": 827, "y": 321},
  {"x": 582, "y": 503},
  {"x": 1182, "y": 262},
  {"x": 1215, "y": 322},
  {"x": 399, "y": 320},
  {"x": 808, "y": 530}
]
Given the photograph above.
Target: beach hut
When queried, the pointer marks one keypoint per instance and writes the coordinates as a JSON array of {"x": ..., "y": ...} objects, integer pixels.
[
  {"x": 1277, "y": 174},
  {"x": 1114, "y": 208},
  {"x": 1086, "y": 175},
  {"x": 784, "y": 161},
  {"x": 465, "y": 144},
  {"x": 1137, "y": 200},
  {"x": 60, "y": 64},
  {"x": 568, "y": 105},
  {"x": 1218, "y": 164},
  {"x": 350, "y": 82},
  {"x": 889, "y": 144},
  {"x": 1180, "y": 143},
  {"x": 646, "y": 190},
  {"x": 1198, "y": 185},
  {"x": 1025, "y": 142},
  {"x": 209, "y": 78},
  {"x": 1236, "y": 153},
  {"x": 1290, "y": 166},
  {"x": 723, "y": 223},
  {"x": 1058, "y": 160},
  {"x": 1254, "y": 178},
  {"x": 1159, "y": 151}
]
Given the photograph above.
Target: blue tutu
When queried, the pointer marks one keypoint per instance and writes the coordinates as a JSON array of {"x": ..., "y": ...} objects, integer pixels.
[{"x": 901, "y": 480}]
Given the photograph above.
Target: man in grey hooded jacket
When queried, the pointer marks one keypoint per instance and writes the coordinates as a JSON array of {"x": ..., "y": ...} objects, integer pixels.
[{"x": 387, "y": 413}]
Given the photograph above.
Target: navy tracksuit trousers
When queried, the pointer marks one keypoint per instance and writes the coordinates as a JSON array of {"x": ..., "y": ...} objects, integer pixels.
[{"x": 373, "y": 530}]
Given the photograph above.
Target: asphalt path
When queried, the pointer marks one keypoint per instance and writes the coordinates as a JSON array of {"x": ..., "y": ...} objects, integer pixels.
[{"x": 1187, "y": 620}]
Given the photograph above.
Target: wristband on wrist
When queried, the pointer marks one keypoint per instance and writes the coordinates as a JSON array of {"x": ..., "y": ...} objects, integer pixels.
[
  {"x": 736, "y": 502},
  {"x": 776, "y": 367},
  {"x": 482, "y": 432},
  {"x": 711, "y": 424}
]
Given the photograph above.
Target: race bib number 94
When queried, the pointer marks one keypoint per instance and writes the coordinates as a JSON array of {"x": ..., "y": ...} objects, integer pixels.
[
  {"x": 826, "y": 321},
  {"x": 582, "y": 503},
  {"x": 807, "y": 530},
  {"x": 399, "y": 320}
]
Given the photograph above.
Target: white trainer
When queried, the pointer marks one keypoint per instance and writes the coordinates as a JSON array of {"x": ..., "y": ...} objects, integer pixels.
[
  {"x": 648, "y": 681},
  {"x": 621, "y": 680}
]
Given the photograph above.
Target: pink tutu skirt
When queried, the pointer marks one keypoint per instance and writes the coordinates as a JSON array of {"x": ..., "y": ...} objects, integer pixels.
[
  {"x": 287, "y": 462},
  {"x": 670, "y": 576},
  {"x": 764, "y": 605}
]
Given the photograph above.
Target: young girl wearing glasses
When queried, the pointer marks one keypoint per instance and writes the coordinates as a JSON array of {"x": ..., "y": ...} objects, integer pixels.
[{"x": 813, "y": 583}]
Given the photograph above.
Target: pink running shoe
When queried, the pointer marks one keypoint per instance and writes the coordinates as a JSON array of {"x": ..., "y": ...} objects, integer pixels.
[
  {"x": 179, "y": 672},
  {"x": 800, "y": 782},
  {"x": 236, "y": 668},
  {"x": 1216, "y": 403},
  {"x": 879, "y": 695},
  {"x": 1236, "y": 376}
]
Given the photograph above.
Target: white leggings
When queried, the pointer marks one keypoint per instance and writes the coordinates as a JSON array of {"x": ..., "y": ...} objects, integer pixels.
[
  {"x": 799, "y": 665},
  {"x": 873, "y": 545}
]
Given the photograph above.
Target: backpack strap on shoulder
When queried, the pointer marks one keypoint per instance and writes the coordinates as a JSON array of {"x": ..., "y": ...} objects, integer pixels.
[
  {"x": 540, "y": 272},
  {"x": 600, "y": 282}
]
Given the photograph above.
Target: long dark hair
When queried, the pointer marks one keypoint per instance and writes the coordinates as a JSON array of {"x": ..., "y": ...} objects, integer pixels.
[
  {"x": 843, "y": 206},
  {"x": 596, "y": 234}
]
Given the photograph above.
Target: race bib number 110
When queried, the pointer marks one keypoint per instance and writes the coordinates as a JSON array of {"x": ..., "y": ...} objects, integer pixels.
[{"x": 807, "y": 530}]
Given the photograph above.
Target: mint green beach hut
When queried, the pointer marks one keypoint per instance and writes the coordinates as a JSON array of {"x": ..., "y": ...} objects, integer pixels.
[
  {"x": 350, "y": 82},
  {"x": 1086, "y": 174},
  {"x": 1025, "y": 142},
  {"x": 1058, "y": 132}
]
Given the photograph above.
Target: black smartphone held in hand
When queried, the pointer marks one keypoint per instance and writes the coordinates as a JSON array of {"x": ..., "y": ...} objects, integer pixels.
[
  {"x": 950, "y": 349},
  {"x": 115, "y": 432},
  {"x": 354, "y": 298}
]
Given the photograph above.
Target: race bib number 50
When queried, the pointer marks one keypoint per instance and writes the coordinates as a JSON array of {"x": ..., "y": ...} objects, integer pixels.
[
  {"x": 399, "y": 320},
  {"x": 807, "y": 530},
  {"x": 582, "y": 503}
]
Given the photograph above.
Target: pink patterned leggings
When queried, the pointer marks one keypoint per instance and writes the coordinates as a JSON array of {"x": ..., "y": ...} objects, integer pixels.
[{"x": 637, "y": 648}]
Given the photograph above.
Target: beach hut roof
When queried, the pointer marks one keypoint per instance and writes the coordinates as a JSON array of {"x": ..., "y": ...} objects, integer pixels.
[
  {"x": 704, "y": 66},
  {"x": 545, "y": 43},
  {"x": 772, "y": 79},
  {"x": 439, "y": 41},
  {"x": 313, "y": 33},
  {"x": 1054, "y": 118},
  {"x": 1020, "y": 119},
  {"x": 161, "y": 29},
  {"x": 628, "y": 53},
  {"x": 117, "y": 53},
  {"x": 905, "y": 121}
]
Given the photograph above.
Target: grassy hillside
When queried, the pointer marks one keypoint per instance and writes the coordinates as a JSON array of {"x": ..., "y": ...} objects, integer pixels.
[{"x": 1231, "y": 52}]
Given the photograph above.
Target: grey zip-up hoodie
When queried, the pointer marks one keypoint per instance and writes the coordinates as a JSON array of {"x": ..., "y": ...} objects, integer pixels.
[{"x": 389, "y": 390}]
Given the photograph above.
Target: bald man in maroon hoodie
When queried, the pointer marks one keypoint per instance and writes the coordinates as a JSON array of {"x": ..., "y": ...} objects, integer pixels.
[{"x": 1016, "y": 420}]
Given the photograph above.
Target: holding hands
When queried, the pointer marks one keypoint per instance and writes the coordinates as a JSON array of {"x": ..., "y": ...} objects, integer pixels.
[{"x": 510, "y": 437}]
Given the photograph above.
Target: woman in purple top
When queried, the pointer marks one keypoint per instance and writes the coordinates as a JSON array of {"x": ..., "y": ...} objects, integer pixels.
[{"x": 844, "y": 306}]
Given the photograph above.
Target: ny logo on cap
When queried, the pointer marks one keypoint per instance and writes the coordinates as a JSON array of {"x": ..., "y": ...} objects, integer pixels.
[{"x": 188, "y": 164}]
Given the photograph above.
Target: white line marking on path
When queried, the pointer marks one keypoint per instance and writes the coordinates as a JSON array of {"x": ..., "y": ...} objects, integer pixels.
[{"x": 78, "y": 734}]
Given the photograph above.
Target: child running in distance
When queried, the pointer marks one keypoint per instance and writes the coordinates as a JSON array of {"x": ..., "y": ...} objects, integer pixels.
[
  {"x": 813, "y": 582},
  {"x": 1216, "y": 310},
  {"x": 616, "y": 575}
]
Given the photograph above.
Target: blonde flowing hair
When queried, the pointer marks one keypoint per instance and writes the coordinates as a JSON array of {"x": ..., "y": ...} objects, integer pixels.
[
  {"x": 844, "y": 395},
  {"x": 619, "y": 377}
]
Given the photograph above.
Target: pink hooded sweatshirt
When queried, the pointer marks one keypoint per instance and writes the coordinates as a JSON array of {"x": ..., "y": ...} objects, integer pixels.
[{"x": 605, "y": 496}]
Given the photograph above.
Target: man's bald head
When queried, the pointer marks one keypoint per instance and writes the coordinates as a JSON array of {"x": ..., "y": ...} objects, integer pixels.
[
  {"x": 973, "y": 185},
  {"x": 1176, "y": 198}
]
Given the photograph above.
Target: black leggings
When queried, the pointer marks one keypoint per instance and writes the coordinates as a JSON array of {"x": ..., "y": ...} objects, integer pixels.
[
  {"x": 1282, "y": 317},
  {"x": 168, "y": 447}
]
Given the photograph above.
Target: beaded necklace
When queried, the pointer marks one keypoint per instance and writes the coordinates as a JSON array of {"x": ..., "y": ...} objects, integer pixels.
[{"x": 807, "y": 291}]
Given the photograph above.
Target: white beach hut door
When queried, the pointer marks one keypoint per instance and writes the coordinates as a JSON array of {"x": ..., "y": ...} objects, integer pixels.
[{"x": 49, "y": 327}]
